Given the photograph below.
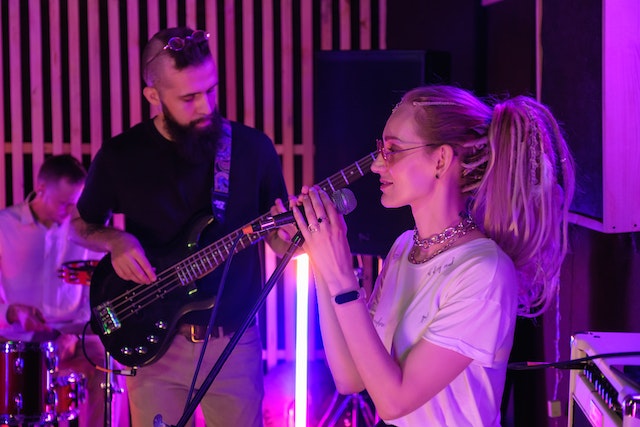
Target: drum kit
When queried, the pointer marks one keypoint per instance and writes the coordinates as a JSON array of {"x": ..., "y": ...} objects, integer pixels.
[{"x": 33, "y": 391}]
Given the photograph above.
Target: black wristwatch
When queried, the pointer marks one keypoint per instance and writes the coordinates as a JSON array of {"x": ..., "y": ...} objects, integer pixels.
[{"x": 349, "y": 296}]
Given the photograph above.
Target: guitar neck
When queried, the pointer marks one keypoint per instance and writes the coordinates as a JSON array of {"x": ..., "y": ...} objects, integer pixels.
[{"x": 210, "y": 257}]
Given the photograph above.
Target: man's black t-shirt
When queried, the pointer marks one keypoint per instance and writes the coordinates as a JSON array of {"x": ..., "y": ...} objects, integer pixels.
[{"x": 140, "y": 174}]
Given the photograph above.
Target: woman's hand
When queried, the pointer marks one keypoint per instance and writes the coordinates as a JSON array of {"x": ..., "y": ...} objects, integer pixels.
[{"x": 325, "y": 234}]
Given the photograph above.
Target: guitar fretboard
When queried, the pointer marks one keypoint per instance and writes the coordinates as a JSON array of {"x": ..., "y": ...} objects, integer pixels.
[
  {"x": 210, "y": 257},
  {"x": 139, "y": 340}
]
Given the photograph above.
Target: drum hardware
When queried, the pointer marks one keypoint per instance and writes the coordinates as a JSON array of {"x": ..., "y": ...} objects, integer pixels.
[
  {"x": 109, "y": 389},
  {"x": 109, "y": 386},
  {"x": 32, "y": 394},
  {"x": 69, "y": 392},
  {"x": 80, "y": 273},
  {"x": 26, "y": 370}
]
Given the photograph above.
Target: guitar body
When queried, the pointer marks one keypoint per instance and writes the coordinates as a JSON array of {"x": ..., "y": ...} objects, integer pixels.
[{"x": 150, "y": 313}]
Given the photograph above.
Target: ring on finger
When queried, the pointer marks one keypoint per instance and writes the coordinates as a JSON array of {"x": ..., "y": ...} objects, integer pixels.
[
  {"x": 313, "y": 228},
  {"x": 322, "y": 218}
]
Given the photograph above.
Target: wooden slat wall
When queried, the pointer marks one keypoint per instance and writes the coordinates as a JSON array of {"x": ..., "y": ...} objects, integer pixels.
[{"x": 71, "y": 78}]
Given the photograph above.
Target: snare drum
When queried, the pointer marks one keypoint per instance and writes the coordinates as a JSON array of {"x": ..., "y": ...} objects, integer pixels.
[
  {"x": 25, "y": 372},
  {"x": 70, "y": 391}
]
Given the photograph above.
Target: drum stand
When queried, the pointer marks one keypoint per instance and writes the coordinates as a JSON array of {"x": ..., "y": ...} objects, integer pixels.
[
  {"x": 109, "y": 389},
  {"x": 354, "y": 405}
]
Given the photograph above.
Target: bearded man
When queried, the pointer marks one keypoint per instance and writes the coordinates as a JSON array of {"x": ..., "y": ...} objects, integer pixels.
[{"x": 185, "y": 167}]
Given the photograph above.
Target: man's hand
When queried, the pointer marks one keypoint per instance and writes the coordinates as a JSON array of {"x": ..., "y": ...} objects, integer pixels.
[
  {"x": 280, "y": 238},
  {"x": 127, "y": 256},
  {"x": 129, "y": 260},
  {"x": 28, "y": 317}
]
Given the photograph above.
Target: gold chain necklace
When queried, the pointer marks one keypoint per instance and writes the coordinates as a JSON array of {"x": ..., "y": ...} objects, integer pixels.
[{"x": 448, "y": 236}]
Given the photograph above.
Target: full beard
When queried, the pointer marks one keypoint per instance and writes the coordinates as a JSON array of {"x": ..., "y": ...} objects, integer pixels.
[{"x": 194, "y": 143}]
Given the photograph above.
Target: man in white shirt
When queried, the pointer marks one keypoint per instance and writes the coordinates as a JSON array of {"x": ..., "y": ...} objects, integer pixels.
[{"x": 37, "y": 305}]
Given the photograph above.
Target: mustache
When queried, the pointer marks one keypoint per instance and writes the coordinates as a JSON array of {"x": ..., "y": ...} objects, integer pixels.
[
  {"x": 209, "y": 118},
  {"x": 197, "y": 140}
]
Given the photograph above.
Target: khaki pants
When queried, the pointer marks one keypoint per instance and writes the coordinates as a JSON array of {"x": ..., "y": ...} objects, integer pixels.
[{"x": 234, "y": 398}]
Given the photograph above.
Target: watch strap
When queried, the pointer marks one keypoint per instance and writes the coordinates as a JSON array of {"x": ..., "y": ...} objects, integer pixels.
[{"x": 349, "y": 296}]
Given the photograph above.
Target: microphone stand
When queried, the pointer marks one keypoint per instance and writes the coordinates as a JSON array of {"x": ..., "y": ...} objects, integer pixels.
[{"x": 296, "y": 243}]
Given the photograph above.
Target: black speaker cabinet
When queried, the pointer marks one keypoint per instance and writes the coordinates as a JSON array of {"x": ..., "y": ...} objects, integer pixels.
[
  {"x": 591, "y": 81},
  {"x": 354, "y": 93}
]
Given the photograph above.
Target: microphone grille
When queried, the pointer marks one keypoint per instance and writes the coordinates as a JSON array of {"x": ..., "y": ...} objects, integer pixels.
[{"x": 345, "y": 200}]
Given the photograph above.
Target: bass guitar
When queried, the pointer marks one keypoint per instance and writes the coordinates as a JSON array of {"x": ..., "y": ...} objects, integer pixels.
[{"x": 136, "y": 323}]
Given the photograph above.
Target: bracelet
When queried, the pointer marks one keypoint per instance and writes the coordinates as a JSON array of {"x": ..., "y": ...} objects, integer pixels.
[{"x": 349, "y": 296}]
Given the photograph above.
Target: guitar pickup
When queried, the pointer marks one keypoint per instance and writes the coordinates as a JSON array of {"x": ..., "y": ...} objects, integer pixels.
[{"x": 107, "y": 318}]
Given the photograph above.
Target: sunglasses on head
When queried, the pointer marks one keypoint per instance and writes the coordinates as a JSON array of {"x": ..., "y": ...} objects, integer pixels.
[{"x": 176, "y": 44}]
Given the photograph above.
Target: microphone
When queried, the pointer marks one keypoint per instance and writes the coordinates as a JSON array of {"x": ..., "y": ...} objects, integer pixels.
[{"x": 344, "y": 199}]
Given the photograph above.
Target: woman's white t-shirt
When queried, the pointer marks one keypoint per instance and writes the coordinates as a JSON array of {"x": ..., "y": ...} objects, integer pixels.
[{"x": 465, "y": 300}]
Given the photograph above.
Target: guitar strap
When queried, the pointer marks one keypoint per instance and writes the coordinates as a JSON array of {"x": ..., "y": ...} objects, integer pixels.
[{"x": 221, "y": 167}]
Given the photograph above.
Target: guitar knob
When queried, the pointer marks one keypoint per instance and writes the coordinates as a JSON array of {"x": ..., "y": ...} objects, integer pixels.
[
  {"x": 153, "y": 339},
  {"x": 126, "y": 351},
  {"x": 142, "y": 350},
  {"x": 161, "y": 324}
]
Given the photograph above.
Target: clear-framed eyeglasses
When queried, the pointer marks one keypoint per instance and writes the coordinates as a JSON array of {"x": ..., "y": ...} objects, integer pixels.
[
  {"x": 176, "y": 44},
  {"x": 387, "y": 154}
]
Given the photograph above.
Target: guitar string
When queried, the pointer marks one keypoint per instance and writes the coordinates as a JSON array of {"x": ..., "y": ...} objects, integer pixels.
[
  {"x": 141, "y": 293},
  {"x": 142, "y": 299},
  {"x": 186, "y": 264},
  {"x": 362, "y": 167},
  {"x": 138, "y": 297}
]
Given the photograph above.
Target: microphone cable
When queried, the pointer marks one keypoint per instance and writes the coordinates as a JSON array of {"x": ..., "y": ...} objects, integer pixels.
[{"x": 567, "y": 364}]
